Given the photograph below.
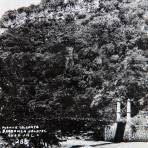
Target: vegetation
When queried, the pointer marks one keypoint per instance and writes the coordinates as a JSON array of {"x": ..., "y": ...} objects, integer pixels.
[{"x": 78, "y": 65}]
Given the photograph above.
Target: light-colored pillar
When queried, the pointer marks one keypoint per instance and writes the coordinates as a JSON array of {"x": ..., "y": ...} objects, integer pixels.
[
  {"x": 128, "y": 117},
  {"x": 118, "y": 110},
  {"x": 128, "y": 129}
]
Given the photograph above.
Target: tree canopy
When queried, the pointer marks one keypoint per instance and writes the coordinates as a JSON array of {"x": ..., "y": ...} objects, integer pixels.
[{"x": 76, "y": 65}]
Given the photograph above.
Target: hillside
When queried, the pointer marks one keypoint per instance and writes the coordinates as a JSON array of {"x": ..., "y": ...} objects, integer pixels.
[{"x": 73, "y": 57}]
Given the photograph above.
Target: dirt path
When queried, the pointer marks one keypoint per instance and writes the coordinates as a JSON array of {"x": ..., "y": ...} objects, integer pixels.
[
  {"x": 102, "y": 144},
  {"x": 125, "y": 145}
]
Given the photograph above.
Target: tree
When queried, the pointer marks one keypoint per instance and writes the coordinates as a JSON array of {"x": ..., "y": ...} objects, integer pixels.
[{"x": 107, "y": 59}]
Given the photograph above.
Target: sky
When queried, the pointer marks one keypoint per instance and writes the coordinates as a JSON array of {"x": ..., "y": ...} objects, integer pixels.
[{"x": 6, "y": 5}]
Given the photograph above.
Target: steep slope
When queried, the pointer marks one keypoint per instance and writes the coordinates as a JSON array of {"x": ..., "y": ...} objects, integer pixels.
[{"x": 74, "y": 57}]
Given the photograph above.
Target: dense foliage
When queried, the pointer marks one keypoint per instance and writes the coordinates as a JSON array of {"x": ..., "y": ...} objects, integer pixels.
[{"x": 77, "y": 65}]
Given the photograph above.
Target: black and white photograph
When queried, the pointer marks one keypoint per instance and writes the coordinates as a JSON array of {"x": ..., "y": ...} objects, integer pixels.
[{"x": 73, "y": 73}]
